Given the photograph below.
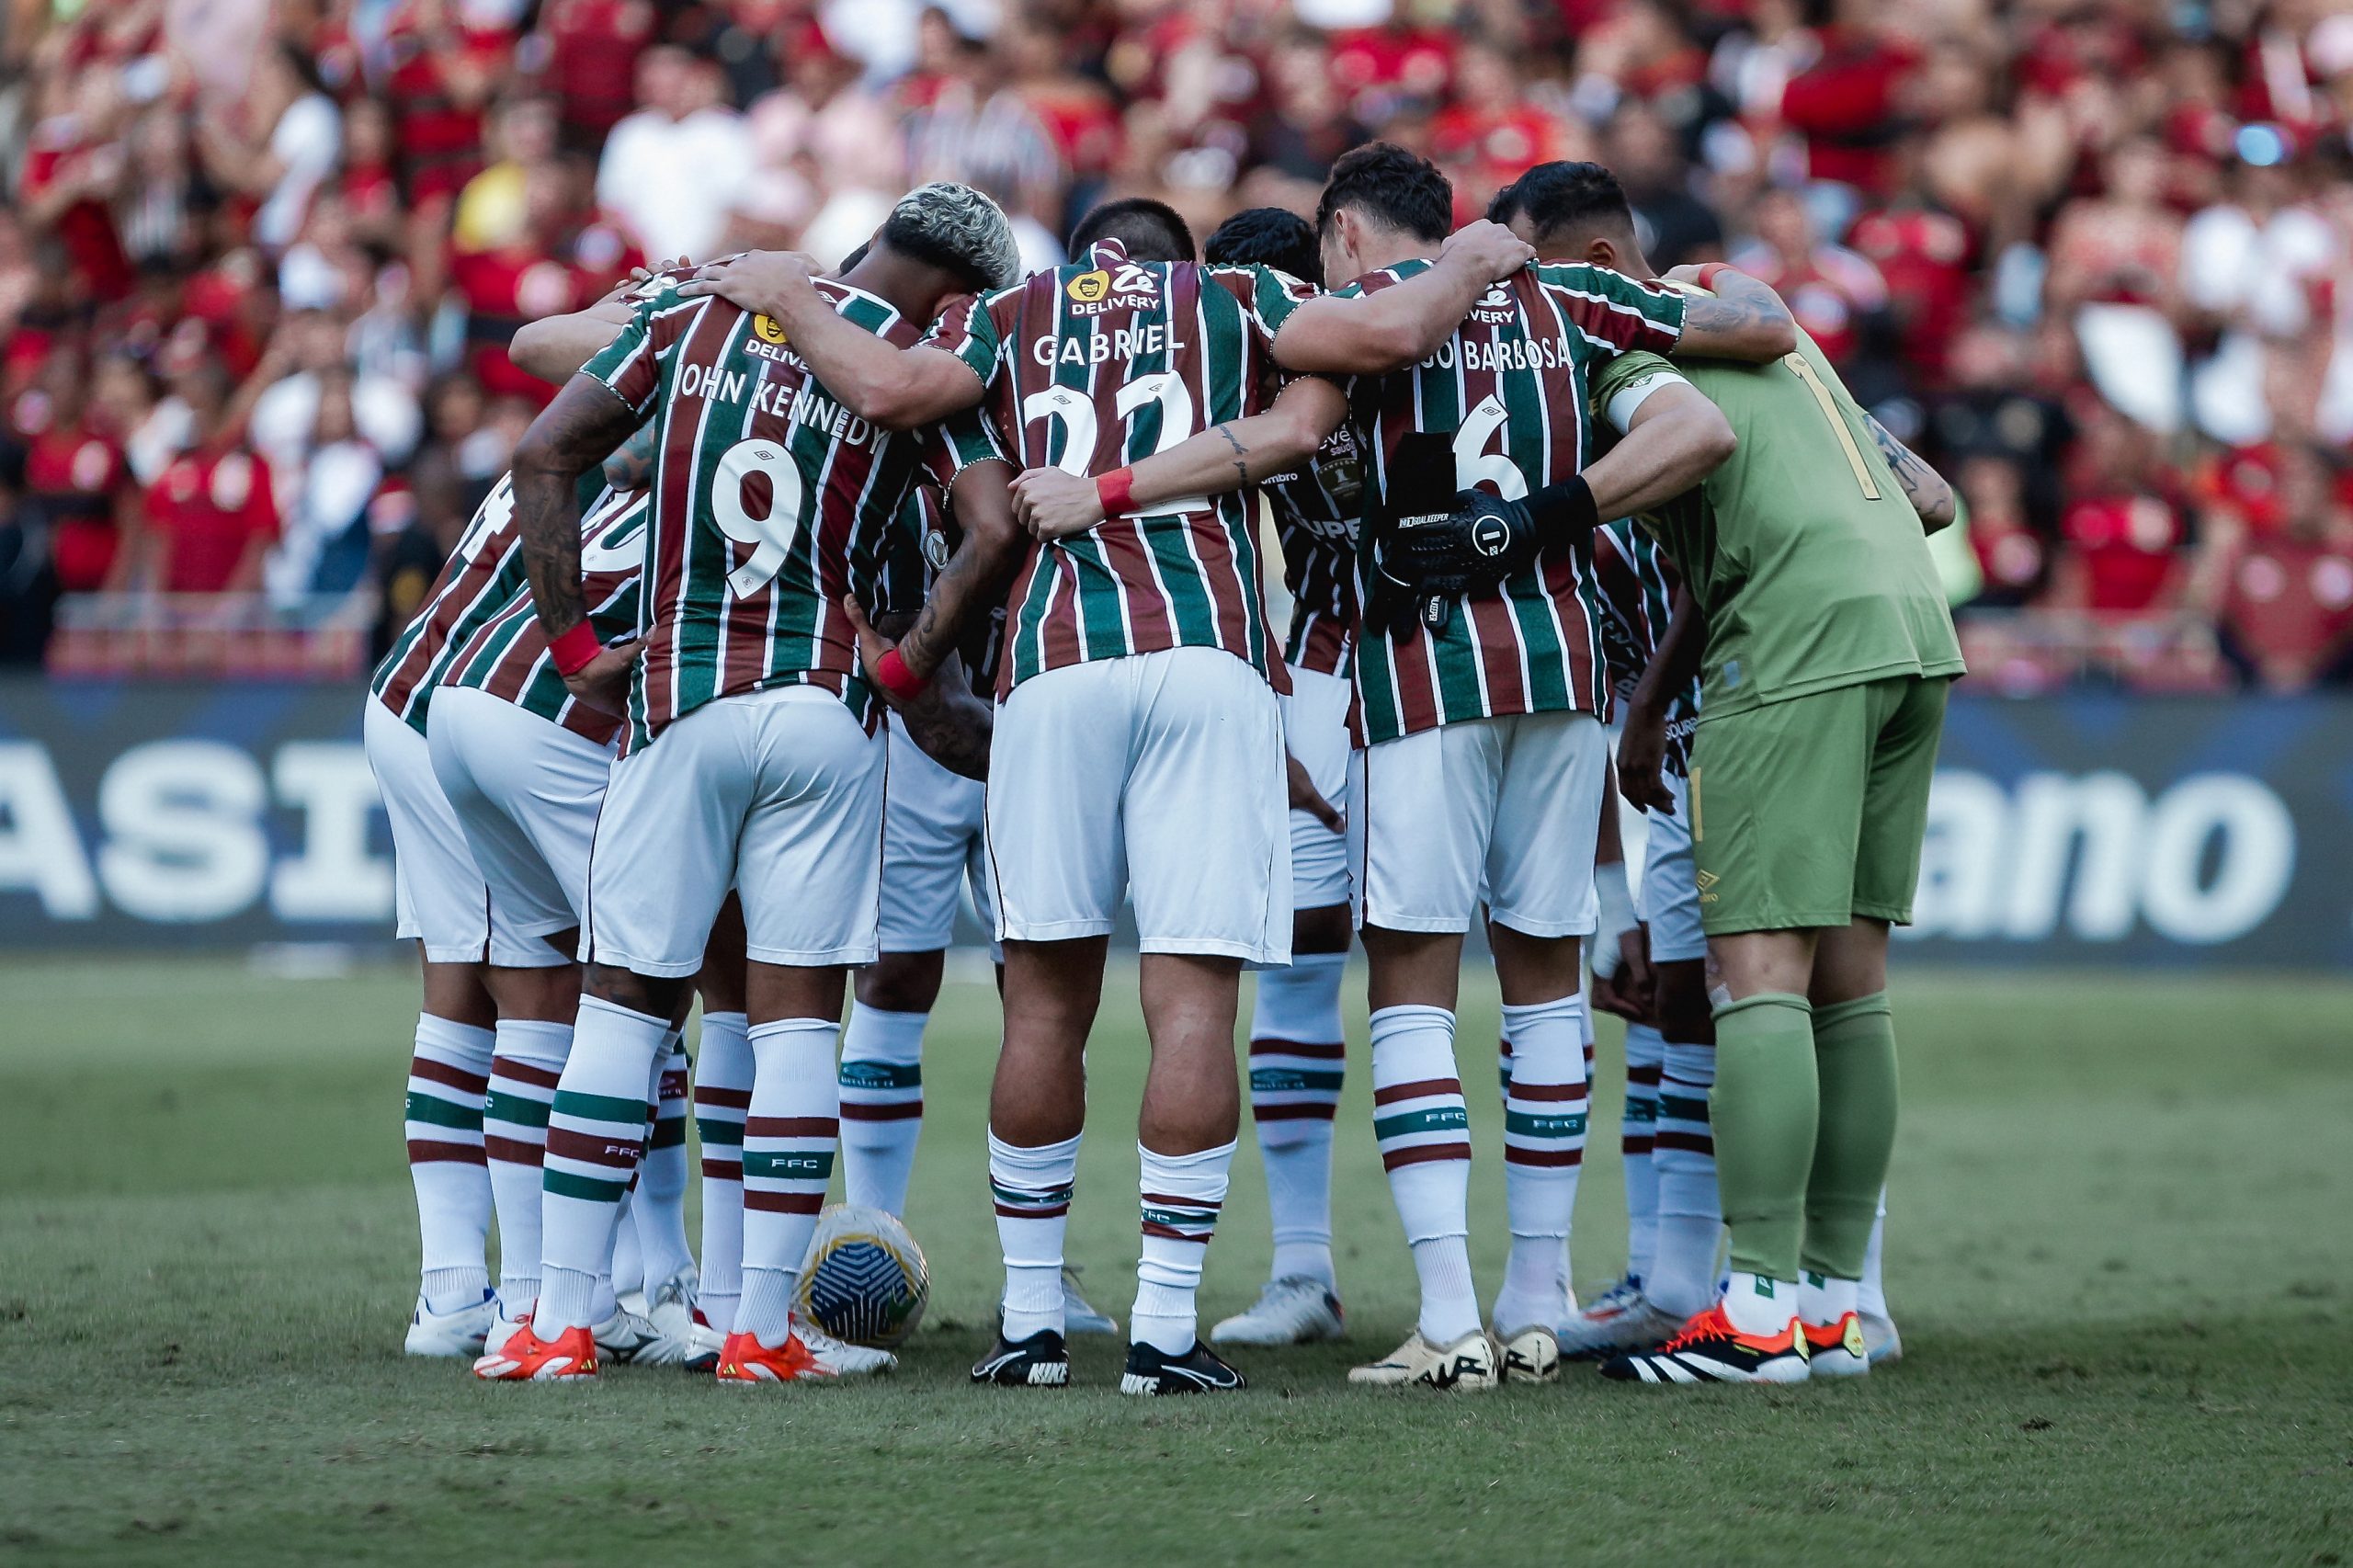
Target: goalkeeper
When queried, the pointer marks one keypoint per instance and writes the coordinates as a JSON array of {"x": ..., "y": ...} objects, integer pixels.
[{"x": 1827, "y": 653}]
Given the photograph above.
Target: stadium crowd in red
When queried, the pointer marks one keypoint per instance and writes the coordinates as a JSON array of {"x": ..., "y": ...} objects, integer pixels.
[{"x": 2095, "y": 256}]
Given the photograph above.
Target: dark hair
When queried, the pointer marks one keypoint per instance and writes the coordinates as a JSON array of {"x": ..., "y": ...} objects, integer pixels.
[
  {"x": 1270, "y": 236},
  {"x": 1150, "y": 231},
  {"x": 904, "y": 236},
  {"x": 1562, "y": 196},
  {"x": 1399, "y": 188}
]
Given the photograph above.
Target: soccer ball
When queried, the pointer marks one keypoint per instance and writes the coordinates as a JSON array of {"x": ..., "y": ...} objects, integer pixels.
[{"x": 864, "y": 1281}]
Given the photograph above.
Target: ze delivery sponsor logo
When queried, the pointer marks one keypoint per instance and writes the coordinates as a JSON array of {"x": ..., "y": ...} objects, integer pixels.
[{"x": 767, "y": 329}]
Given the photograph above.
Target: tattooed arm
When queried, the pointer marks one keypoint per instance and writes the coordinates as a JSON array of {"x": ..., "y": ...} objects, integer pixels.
[
  {"x": 1241, "y": 452},
  {"x": 945, "y": 720},
  {"x": 1927, "y": 489},
  {"x": 976, "y": 577},
  {"x": 1744, "y": 319},
  {"x": 572, "y": 435}
]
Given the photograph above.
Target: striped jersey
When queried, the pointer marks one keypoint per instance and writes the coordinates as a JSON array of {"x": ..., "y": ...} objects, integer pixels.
[
  {"x": 771, "y": 501},
  {"x": 482, "y": 576},
  {"x": 1508, "y": 389},
  {"x": 1097, "y": 365},
  {"x": 1317, "y": 509},
  {"x": 925, "y": 537},
  {"x": 1637, "y": 583},
  {"x": 508, "y": 654}
]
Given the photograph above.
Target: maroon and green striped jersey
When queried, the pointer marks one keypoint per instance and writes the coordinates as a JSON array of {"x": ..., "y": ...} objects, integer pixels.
[
  {"x": 771, "y": 501},
  {"x": 482, "y": 577},
  {"x": 1317, "y": 510},
  {"x": 1508, "y": 391},
  {"x": 1637, "y": 583},
  {"x": 1097, "y": 365},
  {"x": 508, "y": 654}
]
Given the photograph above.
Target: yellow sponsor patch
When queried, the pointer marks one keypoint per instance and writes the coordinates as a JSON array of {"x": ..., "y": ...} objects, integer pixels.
[
  {"x": 767, "y": 329},
  {"x": 1089, "y": 288}
]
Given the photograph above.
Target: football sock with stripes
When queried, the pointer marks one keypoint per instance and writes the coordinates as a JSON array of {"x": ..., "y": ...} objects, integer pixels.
[
  {"x": 1544, "y": 1130},
  {"x": 1691, "y": 1220},
  {"x": 1298, "y": 1062},
  {"x": 1872, "y": 1297},
  {"x": 1854, "y": 1048},
  {"x": 723, "y": 1098},
  {"x": 1424, "y": 1134},
  {"x": 658, "y": 1207},
  {"x": 595, "y": 1137},
  {"x": 449, "y": 1077},
  {"x": 523, "y": 1077},
  {"x": 1182, "y": 1195},
  {"x": 1765, "y": 1110},
  {"x": 1032, "y": 1189},
  {"x": 881, "y": 1082},
  {"x": 1645, "y": 1058},
  {"x": 789, "y": 1144}
]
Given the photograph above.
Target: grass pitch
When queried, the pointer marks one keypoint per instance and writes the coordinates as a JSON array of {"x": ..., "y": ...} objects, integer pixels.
[{"x": 2118, "y": 1254}]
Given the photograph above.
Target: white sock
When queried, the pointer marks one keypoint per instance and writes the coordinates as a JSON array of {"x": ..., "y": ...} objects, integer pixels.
[
  {"x": 1544, "y": 1131},
  {"x": 523, "y": 1077},
  {"x": 658, "y": 1207},
  {"x": 1182, "y": 1195},
  {"x": 595, "y": 1137},
  {"x": 1872, "y": 1300},
  {"x": 882, "y": 1088},
  {"x": 723, "y": 1098},
  {"x": 625, "y": 1270},
  {"x": 1645, "y": 1058},
  {"x": 1032, "y": 1190},
  {"x": 1682, "y": 1279},
  {"x": 1760, "y": 1306},
  {"x": 1823, "y": 1300},
  {"x": 1298, "y": 1062},
  {"x": 788, "y": 1143},
  {"x": 1424, "y": 1133},
  {"x": 448, "y": 1076}
]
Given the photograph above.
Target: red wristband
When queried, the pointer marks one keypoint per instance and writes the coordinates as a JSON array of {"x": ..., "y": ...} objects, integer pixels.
[
  {"x": 1710, "y": 271},
  {"x": 1117, "y": 491},
  {"x": 572, "y": 650},
  {"x": 891, "y": 674}
]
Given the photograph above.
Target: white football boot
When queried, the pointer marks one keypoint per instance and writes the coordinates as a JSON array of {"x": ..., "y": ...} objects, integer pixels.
[
  {"x": 840, "y": 1357},
  {"x": 1077, "y": 1316},
  {"x": 455, "y": 1334},
  {"x": 625, "y": 1336},
  {"x": 1619, "y": 1320},
  {"x": 670, "y": 1308},
  {"x": 1467, "y": 1366},
  {"x": 1881, "y": 1340},
  {"x": 1530, "y": 1355},
  {"x": 1300, "y": 1310}
]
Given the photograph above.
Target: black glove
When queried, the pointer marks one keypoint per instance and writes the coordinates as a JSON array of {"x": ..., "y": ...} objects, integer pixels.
[{"x": 1435, "y": 559}]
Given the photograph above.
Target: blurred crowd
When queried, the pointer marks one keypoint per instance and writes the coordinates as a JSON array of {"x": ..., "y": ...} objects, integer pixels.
[{"x": 2094, "y": 257}]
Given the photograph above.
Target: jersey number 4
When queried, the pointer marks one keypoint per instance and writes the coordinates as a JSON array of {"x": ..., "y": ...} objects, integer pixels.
[{"x": 1074, "y": 412}]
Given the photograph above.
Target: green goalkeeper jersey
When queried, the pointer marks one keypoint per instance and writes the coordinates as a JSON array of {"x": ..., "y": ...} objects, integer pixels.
[{"x": 1808, "y": 561}]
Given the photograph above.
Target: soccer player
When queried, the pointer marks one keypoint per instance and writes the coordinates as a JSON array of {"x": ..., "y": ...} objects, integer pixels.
[
  {"x": 443, "y": 900},
  {"x": 1827, "y": 653},
  {"x": 934, "y": 845},
  {"x": 1482, "y": 776},
  {"x": 1138, "y": 742},
  {"x": 750, "y": 759}
]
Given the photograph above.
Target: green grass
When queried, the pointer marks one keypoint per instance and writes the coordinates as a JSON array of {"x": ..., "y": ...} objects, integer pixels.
[{"x": 2118, "y": 1254}]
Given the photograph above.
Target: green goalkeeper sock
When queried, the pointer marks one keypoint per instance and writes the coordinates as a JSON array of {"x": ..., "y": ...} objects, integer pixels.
[
  {"x": 1854, "y": 1050},
  {"x": 1763, "y": 1109}
]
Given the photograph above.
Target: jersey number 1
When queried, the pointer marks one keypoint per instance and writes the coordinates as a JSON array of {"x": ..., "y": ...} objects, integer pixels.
[{"x": 1802, "y": 368}]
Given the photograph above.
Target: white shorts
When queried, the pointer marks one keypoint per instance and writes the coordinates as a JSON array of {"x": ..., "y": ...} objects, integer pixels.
[
  {"x": 1315, "y": 730},
  {"x": 776, "y": 793},
  {"x": 439, "y": 894},
  {"x": 935, "y": 843},
  {"x": 1159, "y": 775},
  {"x": 1507, "y": 809},
  {"x": 527, "y": 790},
  {"x": 1669, "y": 897}
]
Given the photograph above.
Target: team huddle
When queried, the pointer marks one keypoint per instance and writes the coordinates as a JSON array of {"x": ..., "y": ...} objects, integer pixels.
[{"x": 814, "y": 598}]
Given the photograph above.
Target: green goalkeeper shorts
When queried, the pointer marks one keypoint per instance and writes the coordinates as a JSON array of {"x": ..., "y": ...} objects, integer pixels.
[{"x": 1810, "y": 812}]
